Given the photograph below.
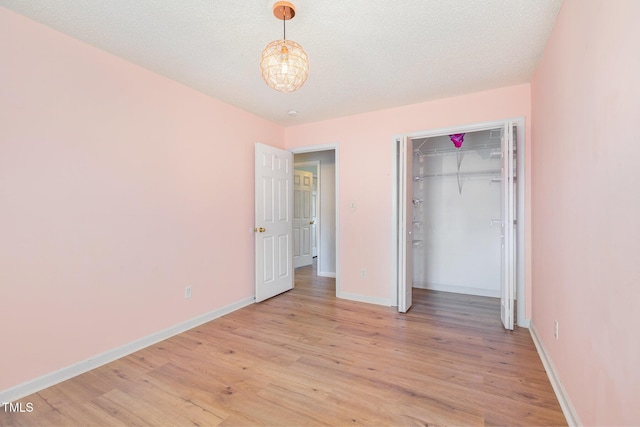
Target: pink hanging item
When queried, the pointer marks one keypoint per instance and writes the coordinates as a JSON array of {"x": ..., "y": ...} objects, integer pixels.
[{"x": 457, "y": 139}]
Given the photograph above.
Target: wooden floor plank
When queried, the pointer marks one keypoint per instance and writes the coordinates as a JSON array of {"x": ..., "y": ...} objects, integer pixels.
[{"x": 307, "y": 358}]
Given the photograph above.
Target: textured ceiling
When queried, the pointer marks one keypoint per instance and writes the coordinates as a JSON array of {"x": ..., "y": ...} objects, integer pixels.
[{"x": 364, "y": 55}]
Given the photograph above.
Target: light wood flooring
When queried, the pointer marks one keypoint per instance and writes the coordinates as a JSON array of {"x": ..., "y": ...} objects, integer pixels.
[{"x": 307, "y": 358}]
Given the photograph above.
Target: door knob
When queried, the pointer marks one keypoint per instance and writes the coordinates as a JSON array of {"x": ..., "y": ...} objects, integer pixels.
[
  {"x": 261, "y": 230},
  {"x": 312, "y": 222}
]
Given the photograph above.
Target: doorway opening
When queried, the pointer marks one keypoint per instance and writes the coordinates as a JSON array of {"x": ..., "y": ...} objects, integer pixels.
[
  {"x": 459, "y": 214},
  {"x": 316, "y": 226}
]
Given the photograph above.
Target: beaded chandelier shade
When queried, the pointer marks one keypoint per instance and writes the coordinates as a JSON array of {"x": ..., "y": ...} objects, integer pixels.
[{"x": 284, "y": 64}]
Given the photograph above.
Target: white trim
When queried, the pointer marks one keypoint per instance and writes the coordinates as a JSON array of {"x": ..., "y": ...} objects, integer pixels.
[
  {"x": 21, "y": 390},
  {"x": 395, "y": 214},
  {"x": 313, "y": 148},
  {"x": 327, "y": 274},
  {"x": 563, "y": 398},
  {"x": 468, "y": 128},
  {"x": 494, "y": 293},
  {"x": 365, "y": 298},
  {"x": 521, "y": 221}
]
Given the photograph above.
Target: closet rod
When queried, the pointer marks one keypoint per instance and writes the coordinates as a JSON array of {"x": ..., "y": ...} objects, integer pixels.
[
  {"x": 461, "y": 173},
  {"x": 443, "y": 150}
]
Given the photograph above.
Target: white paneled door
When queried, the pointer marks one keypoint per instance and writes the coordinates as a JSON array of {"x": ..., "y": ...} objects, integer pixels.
[
  {"x": 405, "y": 226},
  {"x": 508, "y": 270},
  {"x": 303, "y": 219},
  {"x": 273, "y": 221}
]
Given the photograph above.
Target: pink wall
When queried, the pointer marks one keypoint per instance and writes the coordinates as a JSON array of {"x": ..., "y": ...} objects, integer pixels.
[
  {"x": 365, "y": 163},
  {"x": 119, "y": 188},
  {"x": 586, "y": 207}
]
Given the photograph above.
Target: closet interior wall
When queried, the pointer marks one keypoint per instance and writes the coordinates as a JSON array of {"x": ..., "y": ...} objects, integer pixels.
[{"x": 456, "y": 214}]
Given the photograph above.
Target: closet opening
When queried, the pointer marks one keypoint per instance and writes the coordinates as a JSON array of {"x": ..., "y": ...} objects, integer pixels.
[{"x": 459, "y": 214}]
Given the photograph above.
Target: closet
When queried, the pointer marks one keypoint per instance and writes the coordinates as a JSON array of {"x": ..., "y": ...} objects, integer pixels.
[
  {"x": 456, "y": 213},
  {"x": 459, "y": 214}
]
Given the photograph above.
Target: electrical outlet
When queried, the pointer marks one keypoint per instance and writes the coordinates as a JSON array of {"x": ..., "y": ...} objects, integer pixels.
[
  {"x": 555, "y": 329},
  {"x": 187, "y": 292},
  {"x": 363, "y": 273}
]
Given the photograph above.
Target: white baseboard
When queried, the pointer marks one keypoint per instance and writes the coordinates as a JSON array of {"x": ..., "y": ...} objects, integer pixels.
[
  {"x": 565, "y": 403},
  {"x": 327, "y": 274},
  {"x": 495, "y": 293},
  {"x": 364, "y": 298},
  {"x": 21, "y": 390}
]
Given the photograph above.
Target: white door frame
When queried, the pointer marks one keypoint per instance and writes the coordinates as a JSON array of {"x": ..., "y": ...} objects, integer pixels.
[
  {"x": 336, "y": 149},
  {"x": 522, "y": 320}
]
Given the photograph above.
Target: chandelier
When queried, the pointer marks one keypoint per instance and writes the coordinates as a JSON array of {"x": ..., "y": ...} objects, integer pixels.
[{"x": 284, "y": 64}]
